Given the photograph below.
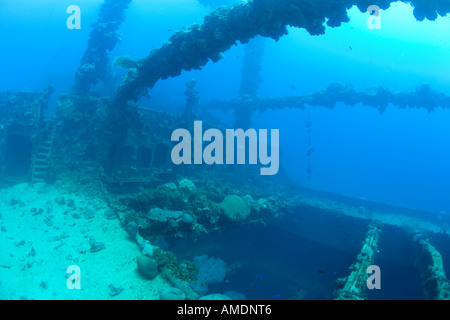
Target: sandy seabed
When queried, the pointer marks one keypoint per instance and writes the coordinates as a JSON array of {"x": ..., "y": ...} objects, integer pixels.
[{"x": 46, "y": 229}]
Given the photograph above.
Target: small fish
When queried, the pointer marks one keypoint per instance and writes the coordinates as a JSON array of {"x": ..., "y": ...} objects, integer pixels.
[
  {"x": 350, "y": 47},
  {"x": 256, "y": 286},
  {"x": 321, "y": 271},
  {"x": 276, "y": 296},
  {"x": 260, "y": 278},
  {"x": 227, "y": 281},
  {"x": 178, "y": 236}
]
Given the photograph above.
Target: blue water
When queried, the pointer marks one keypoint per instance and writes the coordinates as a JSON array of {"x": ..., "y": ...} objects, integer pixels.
[{"x": 400, "y": 157}]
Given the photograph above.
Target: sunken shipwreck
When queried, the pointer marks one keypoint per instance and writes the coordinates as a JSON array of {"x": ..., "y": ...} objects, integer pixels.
[{"x": 225, "y": 150}]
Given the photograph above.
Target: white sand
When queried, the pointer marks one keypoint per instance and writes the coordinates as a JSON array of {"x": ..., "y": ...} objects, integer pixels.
[{"x": 36, "y": 248}]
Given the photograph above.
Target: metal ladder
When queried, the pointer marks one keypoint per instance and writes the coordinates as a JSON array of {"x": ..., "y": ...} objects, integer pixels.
[{"x": 41, "y": 157}]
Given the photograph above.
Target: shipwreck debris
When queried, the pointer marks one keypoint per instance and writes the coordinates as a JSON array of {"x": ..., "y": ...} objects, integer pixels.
[
  {"x": 435, "y": 285},
  {"x": 354, "y": 285}
]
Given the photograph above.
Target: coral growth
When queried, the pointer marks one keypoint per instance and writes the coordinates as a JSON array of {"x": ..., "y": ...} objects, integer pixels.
[
  {"x": 236, "y": 208},
  {"x": 163, "y": 197},
  {"x": 183, "y": 270},
  {"x": 192, "y": 47},
  {"x": 210, "y": 270}
]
